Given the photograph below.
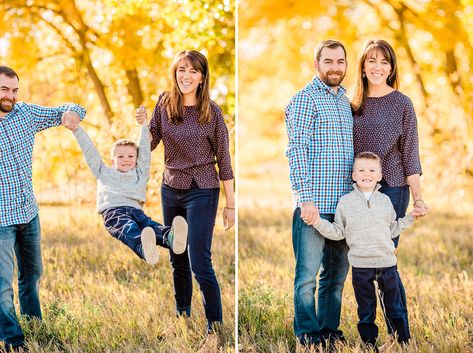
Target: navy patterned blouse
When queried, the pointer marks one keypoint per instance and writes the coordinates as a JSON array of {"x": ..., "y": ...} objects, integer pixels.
[
  {"x": 191, "y": 150},
  {"x": 388, "y": 127}
]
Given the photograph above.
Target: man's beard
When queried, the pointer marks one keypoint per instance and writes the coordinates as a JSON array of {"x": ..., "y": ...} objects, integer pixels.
[
  {"x": 333, "y": 81},
  {"x": 4, "y": 108}
]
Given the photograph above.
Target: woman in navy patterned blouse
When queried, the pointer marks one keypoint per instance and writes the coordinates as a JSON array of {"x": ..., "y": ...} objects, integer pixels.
[
  {"x": 385, "y": 123},
  {"x": 195, "y": 138}
]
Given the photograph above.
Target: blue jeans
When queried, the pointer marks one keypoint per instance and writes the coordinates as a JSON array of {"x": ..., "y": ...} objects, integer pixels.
[
  {"x": 25, "y": 241},
  {"x": 126, "y": 223},
  {"x": 313, "y": 253},
  {"x": 389, "y": 283},
  {"x": 199, "y": 208},
  {"x": 400, "y": 199}
]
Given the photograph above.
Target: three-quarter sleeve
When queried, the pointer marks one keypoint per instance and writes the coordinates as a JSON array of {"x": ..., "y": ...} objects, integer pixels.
[
  {"x": 409, "y": 141},
  {"x": 155, "y": 125},
  {"x": 221, "y": 146}
]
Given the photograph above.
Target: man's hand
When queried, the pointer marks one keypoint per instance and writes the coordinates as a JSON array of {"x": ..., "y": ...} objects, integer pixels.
[
  {"x": 309, "y": 213},
  {"x": 70, "y": 120},
  {"x": 140, "y": 115}
]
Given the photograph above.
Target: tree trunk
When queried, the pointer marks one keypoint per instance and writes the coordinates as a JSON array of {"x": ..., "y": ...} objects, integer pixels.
[{"x": 134, "y": 88}]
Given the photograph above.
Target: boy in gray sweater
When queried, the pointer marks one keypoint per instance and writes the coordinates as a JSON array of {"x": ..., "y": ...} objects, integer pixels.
[
  {"x": 121, "y": 194},
  {"x": 366, "y": 219}
]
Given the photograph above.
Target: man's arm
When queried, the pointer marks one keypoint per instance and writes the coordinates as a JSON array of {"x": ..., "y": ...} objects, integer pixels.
[
  {"x": 300, "y": 124},
  {"x": 46, "y": 117}
]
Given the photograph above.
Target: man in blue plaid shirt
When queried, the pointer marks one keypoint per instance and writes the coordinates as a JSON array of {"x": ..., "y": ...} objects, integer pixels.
[
  {"x": 320, "y": 151},
  {"x": 19, "y": 221}
]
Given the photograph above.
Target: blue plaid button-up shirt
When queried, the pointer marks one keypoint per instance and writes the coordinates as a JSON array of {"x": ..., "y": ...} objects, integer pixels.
[
  {"x": 319, "y": 125},
  {"x": 17, "y": 132}
]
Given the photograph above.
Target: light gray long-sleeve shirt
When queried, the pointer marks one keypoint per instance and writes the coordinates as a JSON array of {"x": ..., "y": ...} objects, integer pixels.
[
  {"x": 368, "y": 226},
  {"x": 115, "y": 188}
]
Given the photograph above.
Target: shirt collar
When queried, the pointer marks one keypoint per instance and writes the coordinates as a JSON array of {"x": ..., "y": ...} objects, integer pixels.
[
  {"x": 378, "y": 186},
  {"x": 317, "y": 82}
]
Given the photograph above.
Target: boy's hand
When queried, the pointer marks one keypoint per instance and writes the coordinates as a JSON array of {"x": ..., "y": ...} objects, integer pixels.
[
  {"x": 316, "y": 218},
  {"x": 70, "y": 120},
  {"x": 417, "y": 213},
  {"x": 140, "y": 115}
]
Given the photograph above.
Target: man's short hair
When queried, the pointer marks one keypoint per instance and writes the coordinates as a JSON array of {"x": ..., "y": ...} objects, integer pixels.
[
  {"x": 332, "y": 44},
  {"x": 123, "y": 142},
  {"x": 368, "y": 155},
  {"x": 8, "y": 72}
]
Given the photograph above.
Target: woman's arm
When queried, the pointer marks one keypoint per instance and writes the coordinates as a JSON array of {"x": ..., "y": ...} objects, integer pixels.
[
  {"x": 420, "y": 207},
  {"x": 229, "y": 210}
]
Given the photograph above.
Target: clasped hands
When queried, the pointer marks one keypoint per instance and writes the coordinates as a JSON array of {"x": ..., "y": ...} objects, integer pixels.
[
  {"x": 420, "y": 209},
  {"x": 310, "y": 213},
  {"x": 70, "y": 120},
  {"x": 140, "y": 115}
]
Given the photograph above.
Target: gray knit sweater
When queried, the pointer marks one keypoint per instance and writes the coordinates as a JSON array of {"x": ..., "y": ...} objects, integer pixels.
[
  {"x": 115, "y": 188},
  {"x": 368, "y": 226}
]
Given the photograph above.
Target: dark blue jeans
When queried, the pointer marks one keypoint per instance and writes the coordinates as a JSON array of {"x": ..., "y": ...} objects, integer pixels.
[
  {"x": 126, "y": 223},
  {"x": 389, "y": 283},
  {"x": 199, "y": 208},
  {"x": 25, "y": 241},
  {"x": 313, "y": 253},
  {"x": 400, "y": 199}
]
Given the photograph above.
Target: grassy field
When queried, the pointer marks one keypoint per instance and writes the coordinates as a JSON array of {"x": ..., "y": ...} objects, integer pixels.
[
  {"x": 435, "y": 261},
  {"x": 98, "y": 296}
]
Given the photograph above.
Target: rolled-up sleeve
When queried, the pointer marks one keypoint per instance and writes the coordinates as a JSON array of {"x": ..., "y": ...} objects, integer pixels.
[{"x": 46, "y": 117}]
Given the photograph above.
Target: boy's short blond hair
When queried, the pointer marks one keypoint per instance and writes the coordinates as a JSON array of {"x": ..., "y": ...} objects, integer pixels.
[
  {"x": 123, "y": 142},
  {"x": 368, "y": 155}
]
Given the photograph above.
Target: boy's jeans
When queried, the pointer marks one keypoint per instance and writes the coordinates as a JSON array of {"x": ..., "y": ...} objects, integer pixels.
[
  {"x": 25, "y": 240},
  {"x": 389, "y": 283},
  {"x": 199, "y": 208},
  {"x": 313, "y": 252},
  {"x": 399, "y": 197},
  {"x": 126, "y": 223}
]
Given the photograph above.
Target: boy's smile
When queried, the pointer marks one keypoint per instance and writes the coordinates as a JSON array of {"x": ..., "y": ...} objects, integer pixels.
[
  {"x": 124, "y": 158},
  {"x": 366, "y": 174}
]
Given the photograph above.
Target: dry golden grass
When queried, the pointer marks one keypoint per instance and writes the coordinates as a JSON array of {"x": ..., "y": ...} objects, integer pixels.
[
  {"x": 98, "y": 296},
  {"x": 435, "y": 261}
]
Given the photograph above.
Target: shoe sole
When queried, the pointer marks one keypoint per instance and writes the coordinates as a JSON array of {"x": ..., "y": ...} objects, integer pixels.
[
  {"x": 148, "y": 242},
  {"x": 179, "y": 228}
]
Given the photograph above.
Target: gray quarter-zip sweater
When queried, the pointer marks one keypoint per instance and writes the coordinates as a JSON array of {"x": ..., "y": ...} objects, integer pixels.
[
  {"x": 115, "y": 188},
  {"x": 368, "y": 226}
]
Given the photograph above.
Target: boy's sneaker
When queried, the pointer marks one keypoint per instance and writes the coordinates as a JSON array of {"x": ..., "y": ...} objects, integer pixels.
[
  {"x": 177, "y": 236},
  {"x": 148, "y": 242}
]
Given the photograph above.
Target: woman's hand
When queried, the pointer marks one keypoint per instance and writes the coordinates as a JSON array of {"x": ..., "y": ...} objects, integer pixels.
[
  {"x": 140, "y": 115},
  {"x": 228, "y": 217},
  {"x": 420, "y": 209}
]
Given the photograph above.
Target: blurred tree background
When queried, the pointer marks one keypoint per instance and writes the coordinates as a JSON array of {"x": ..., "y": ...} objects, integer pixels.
[
  {"x": 109, "y": 56},
  {"x": 434, "y": 44}
]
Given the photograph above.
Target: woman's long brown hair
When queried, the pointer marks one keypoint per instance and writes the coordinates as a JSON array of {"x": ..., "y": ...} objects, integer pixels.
[
  {"x": 173, "y": 100},
  {"x": 358, "y": 98}
]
